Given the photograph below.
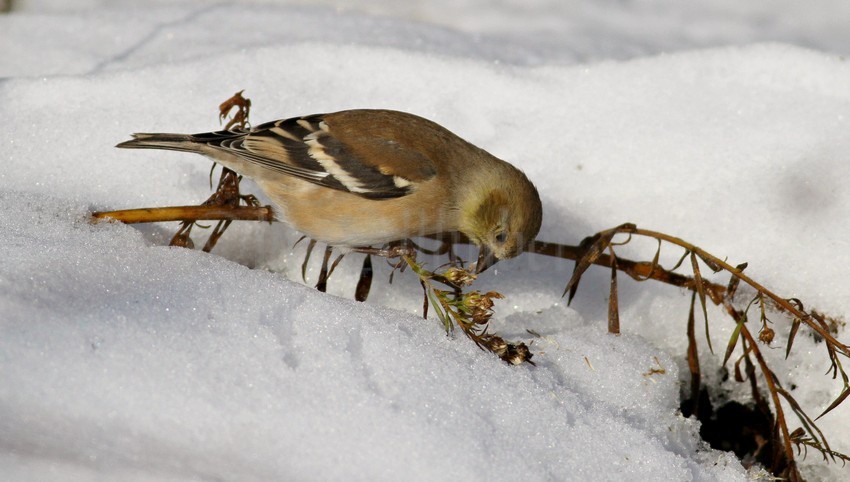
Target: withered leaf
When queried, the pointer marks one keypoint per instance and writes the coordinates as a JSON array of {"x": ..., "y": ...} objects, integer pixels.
[
  {"x": 739, "y": 377},
  {"x": 693, "y": 357},
  {"x": 335, "y": 264},
  {"x": 613, "y": 304},
  {"x": 844, "y": 394},
  {"x": 592, "y": 247},
  {"x": 712, "y": 265},
  {"x": 701, "y": 292},
  {"x": 795, "y": 325},
  {"x": 681, "y": 260},
  {"x": 734, "y": 281},
  {"x": 217, "y": 232},
  {"x": 733, "y": 340}
]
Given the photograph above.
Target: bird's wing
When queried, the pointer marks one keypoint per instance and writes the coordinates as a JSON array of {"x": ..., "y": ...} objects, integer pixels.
[{"x": 377, "y": 167}]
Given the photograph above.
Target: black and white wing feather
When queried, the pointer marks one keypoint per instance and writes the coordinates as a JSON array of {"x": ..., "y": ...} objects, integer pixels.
[{"x": 307, "y": 148}]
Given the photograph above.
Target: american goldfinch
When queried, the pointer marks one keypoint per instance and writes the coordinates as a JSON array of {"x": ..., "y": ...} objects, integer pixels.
[{"x": 358, "y": 178}]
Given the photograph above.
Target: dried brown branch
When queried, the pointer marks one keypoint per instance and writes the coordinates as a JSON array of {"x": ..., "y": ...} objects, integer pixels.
[
  {"x": 590, "y": 252},
  {"x": 637, "y": 270},
  {"x": 224, "y": 205},
  {"x": 781, "y": 303},
  {"x": 187, "y": 213},
  {"x": 227, "y": 193}
]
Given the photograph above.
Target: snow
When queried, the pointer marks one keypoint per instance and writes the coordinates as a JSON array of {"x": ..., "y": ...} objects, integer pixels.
[{"x": 122, "y": 358}]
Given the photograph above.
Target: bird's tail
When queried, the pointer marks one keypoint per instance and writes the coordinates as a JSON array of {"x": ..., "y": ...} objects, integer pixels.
[{"x": 173, "y": 142}]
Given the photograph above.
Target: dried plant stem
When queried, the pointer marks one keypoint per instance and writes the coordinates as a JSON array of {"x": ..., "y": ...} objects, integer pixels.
[
  {"x": 592, "y": 250},
  {"x": 639, "y": 270},
  {"x": 469, "y": 311},
  {"x": 752, "y": 347},
  {"x": 188, "y": 213},
  {"x": 780, "y": 302}
]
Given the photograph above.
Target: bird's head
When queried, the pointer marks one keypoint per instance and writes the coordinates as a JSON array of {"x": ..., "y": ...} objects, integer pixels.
[{"x": 502, "y": 218}]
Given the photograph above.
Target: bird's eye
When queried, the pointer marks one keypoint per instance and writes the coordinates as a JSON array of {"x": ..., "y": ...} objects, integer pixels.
[{"x": 501, "y": 237}]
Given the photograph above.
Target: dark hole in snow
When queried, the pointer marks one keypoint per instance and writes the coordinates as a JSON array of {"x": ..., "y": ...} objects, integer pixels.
[{"x": 740, "y": 428}]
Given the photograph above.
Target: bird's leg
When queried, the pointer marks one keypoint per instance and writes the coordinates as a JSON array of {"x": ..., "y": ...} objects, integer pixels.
[
  {"x": 396, "y": 249},
  {"x": 393, "y": 250},
  {"x": 335, "y": 263},
  {"x": 454, "y": 259},
  {"x": 445, "y": 248},
  {"x": 447, "y": 241},
  {"x": 249, "y": 200}
]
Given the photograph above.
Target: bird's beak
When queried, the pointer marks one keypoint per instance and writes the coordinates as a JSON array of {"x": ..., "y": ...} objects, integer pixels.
[{"x": 486, "y": 258}]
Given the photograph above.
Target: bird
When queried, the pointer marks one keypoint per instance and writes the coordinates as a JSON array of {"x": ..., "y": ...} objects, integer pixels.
[{"x": 364, "y": 177}]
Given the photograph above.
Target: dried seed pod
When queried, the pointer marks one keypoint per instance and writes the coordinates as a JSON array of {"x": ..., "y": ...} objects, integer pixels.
[
  {"x": 517, "y": 354},
  {"x": 766, "y": 335},
  {"x": 498, "y": 346},
  {"x": 460, "y": 276}
]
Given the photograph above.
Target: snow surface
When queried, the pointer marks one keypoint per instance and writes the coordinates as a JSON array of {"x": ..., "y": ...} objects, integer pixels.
[{"x": 121, "y": 358}]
